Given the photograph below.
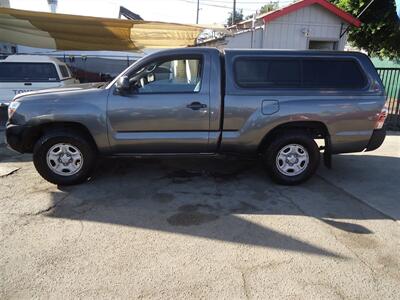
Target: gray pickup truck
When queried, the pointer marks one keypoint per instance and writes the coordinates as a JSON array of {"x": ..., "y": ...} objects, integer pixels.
[{"x": 201, "y": 101}]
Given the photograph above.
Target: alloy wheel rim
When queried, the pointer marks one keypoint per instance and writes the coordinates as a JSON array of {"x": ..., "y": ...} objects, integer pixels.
[
  {"x": 292, "y": 160},
  {"x": 64, "y": 159}
]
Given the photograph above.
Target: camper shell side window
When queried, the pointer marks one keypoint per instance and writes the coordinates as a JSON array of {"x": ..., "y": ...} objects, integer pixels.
[{"x": 299, "y": 73}]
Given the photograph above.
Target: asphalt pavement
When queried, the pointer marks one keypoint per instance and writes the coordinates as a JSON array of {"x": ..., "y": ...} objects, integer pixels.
[{"x": 202, "y": 228}]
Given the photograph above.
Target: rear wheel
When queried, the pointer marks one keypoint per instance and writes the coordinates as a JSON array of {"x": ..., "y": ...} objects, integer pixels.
[
  {"x": 292, "y": 158},
  {"x": 64, "y": 158}
]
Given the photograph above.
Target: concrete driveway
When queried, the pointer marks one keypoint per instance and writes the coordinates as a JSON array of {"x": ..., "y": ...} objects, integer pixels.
[{"x": 202, "y": 228}]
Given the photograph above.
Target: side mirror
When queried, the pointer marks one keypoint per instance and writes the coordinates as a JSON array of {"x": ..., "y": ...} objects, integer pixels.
[{"x": 122, "y": 85}]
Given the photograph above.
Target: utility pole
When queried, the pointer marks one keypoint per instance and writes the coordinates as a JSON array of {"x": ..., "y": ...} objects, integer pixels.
[
  {"x": 234, "y": 12},
  {"x": 53, "y": 5},
  {"x": 198, "y": 9}
]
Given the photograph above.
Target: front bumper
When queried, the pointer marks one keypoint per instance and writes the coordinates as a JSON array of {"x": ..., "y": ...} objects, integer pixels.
[
  {"x": 17, "y": 137},
  {"x": 376, "y": 140}
]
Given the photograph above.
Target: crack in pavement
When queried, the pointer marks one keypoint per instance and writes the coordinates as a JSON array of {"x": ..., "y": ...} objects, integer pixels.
[
  {"x": 332, "y": 232},
  {"x": 45, "y": 210},
  {"x": 373, "y": 272},
  {"x": 335, "y": 289},
  {"x": 244, "y": 272},
  {"x": 9, "y": 173},
  {"x": 355, "y": 197},
  {"x": 26, "y": 216},
  {"x": 245, "y": 287}
]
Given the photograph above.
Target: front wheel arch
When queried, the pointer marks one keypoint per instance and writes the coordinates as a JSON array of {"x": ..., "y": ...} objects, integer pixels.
[{"x": 37, "y": 132}]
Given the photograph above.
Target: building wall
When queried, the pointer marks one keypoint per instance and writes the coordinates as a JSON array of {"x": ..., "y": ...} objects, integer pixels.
[
  {"x": 295, "y": 30},
  {"x": 247, "y": 39},
  {"x": 290, "y": 31}
]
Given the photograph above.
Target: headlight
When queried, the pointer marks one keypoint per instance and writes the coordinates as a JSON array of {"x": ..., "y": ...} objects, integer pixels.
[{"x": 12, "y": 108}]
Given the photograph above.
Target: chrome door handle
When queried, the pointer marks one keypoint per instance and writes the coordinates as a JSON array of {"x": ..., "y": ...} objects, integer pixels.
[{"x": 196, "y": 105}]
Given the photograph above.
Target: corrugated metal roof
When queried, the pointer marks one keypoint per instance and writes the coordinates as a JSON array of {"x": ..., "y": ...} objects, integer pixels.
[{"x": 71, "y": 32}]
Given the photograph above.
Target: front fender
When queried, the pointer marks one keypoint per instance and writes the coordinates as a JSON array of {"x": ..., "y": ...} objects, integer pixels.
[{"x": 84, "y": 108}]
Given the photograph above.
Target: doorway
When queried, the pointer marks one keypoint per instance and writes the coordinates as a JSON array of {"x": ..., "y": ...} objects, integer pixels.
[{"x": 323, "y": 45}]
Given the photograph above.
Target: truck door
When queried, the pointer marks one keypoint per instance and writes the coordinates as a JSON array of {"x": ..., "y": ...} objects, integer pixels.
[{"x": 165, "y": 110}]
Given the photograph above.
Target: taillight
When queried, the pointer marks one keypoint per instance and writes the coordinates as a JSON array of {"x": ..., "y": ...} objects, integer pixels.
[{"x": 382, "y": 117}]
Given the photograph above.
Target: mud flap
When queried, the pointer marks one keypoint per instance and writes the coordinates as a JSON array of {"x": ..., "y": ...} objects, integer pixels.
[{"x": 328, "y": 153}]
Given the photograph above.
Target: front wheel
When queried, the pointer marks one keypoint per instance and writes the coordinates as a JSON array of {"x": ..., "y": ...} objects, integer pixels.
[
  {"x": 292, "y": 158},
  {"x": 64, "y": 158}
]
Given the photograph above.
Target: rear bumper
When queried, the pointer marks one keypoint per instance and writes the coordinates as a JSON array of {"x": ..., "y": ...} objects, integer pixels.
[
  {"x": 376, "y": 140},
  {"x": 17, "y": 137}
]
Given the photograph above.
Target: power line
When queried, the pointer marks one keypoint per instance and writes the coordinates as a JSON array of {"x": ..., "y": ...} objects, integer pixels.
[
  {"x": 212, "y": 5},
  {"x": 252, "y": 2},
  {"x": 207, "y": 3},
  {"x": 241, "y": 2},
  {"x": 246, "y": 2},
  {"x": 359, "y": 15},
  {"x": 204, "y": 4}
]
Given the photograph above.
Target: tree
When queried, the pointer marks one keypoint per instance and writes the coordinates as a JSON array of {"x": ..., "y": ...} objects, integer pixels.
[
  {"x": 379, "y": 33},
  {"x": 269, "y": 7},
  {"x": 264, "y": 9},
  {"x": 238, "y": 17}
]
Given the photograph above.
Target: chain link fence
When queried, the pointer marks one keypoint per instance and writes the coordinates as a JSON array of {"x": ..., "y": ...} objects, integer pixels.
[{"x": 391, "y": 80}]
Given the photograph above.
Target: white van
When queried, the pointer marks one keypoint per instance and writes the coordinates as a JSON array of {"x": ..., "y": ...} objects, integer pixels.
[{"x": 25, "y": 73}]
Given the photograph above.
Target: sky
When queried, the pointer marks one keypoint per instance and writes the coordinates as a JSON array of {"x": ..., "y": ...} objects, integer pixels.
[{"x": 177, "y": 11}]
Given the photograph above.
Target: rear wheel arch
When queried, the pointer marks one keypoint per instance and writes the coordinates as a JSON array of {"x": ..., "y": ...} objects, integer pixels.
[{"x": 315, "y": 129}]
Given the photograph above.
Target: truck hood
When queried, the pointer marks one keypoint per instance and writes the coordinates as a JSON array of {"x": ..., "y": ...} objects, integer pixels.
[{"x": 55, "y": 91}]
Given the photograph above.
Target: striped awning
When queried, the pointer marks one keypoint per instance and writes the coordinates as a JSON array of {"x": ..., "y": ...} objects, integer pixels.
[{"x": 70, "y": 32}]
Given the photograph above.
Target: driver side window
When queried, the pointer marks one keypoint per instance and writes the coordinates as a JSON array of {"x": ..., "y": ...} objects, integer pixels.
[{"x": 172, "y": 76}]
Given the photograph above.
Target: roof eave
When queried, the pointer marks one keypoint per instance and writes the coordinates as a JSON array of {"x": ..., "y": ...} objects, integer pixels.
[{"x": 301, "y": 4}]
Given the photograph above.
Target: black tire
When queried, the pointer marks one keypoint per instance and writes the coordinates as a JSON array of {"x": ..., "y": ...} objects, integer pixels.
[
  {"x": 285, "y": 139},
  {"x": 48, "y": 140}
]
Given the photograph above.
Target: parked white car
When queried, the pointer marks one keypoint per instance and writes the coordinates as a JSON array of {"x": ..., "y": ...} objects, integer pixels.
[{"x": 25, "y": 73}]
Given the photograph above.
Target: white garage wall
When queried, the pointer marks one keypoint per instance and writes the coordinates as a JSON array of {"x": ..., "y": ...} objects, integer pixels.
[
  {"x": 288, "y": 32},
  {"x": 294, "y": 31}
]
